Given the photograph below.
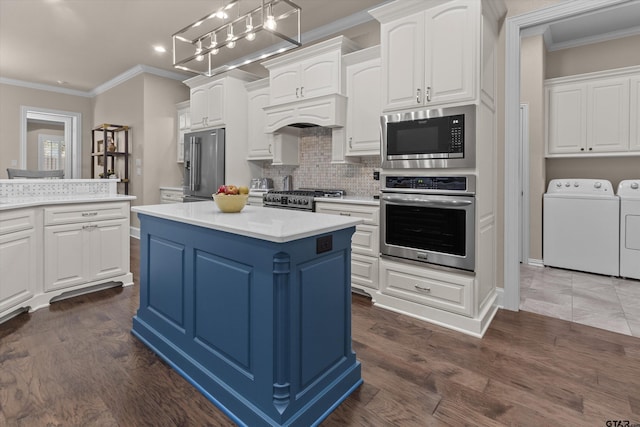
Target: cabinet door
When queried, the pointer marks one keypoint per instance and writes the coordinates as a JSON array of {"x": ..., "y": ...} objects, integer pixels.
[
  {"x": 320, "y": 75},
  {"x": 566, "y": 118},
  {"x": 184, "y": 124},
  {"x": 199, "y": 107},
  {"x": 608, "y": 115},
  {"x": 402, "y": 52},
  {"x": 284, "y": 84},
  {"x": 259, "y": 144},
  {"x": 215, "y": 104},
  {"x": 106, "y": 245},
  {"x": 451, "y": 33},
  {"x": 364, "y": 271},
  {"x": 66, "y": 260},
  {"x": 18, "y": 261},
  {"x": 634, "y": 136},
  {"x": 364, "y": 108}
]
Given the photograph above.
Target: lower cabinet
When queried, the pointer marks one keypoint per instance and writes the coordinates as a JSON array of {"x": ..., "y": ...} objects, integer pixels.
[
  {"x": 60, "y": 251},
  {"x": 171, "y": 195},
  {"x": 365, "y": 242},
  {"x": 18, "y": 256},
  {"x": 86, "y": 252}
]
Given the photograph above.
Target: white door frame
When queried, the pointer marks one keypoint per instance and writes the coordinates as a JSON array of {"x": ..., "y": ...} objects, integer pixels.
[
  {"x": 72, "y": 131},
  {"x": 514, "y": 25},
  {"x": 524, "y": 183}
]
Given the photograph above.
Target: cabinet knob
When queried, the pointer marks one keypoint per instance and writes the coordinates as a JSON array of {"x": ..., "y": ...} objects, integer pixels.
[
  {"x": 590, "y": 148},
  {"x": 418, "y": 95},
  {"x": 297, "y": 89},
  {"x": 301, "y": 92},
  {"x": 270, "y": 149},
  {"x": 428, "y": 93},
  {"x": 350, "y": 142},
  {"x": 582, "y": 149}
]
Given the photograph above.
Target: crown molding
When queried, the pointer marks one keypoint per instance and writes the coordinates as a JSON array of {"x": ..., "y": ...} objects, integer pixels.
[
  {"x": 48, "y": 88},
  {"x": 133, "y": 72}
]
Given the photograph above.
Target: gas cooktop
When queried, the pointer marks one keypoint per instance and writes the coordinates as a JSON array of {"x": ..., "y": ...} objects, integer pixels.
[{"x": 302, "y": 198}]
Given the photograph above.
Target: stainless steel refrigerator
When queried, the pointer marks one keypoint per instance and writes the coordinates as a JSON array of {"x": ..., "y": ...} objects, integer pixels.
[{"x": 203, "y": 164}]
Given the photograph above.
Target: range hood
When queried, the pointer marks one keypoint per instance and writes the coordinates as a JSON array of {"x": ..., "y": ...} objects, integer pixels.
[{"x": 326, "y": 111}]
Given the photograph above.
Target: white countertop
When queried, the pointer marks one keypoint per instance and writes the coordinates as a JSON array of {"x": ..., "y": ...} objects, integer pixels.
[
  {"x": 272, "y": 224},
  {"x": 26, "y": 202},
  {"x": 356, "y": 200}
]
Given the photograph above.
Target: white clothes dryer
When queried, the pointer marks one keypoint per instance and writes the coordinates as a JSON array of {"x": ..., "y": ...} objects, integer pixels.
[
  {"x": 629, "y": 193},
  {"x": 581, "y": 228}
]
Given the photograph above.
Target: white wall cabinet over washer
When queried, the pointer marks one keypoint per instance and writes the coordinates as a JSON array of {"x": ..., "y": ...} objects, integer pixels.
[
  {"x": 365, "y": 242},
  {"x": 85, "y": 243},
  {"x": 18, "y": 258},
  {"x": 364, "y": 106},
  {"x": 430, "y": 57},
  {"x": 634, "y": 135}
]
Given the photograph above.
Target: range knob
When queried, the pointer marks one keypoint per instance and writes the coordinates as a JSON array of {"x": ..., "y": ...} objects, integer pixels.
[{"x": 634, "y": 185}]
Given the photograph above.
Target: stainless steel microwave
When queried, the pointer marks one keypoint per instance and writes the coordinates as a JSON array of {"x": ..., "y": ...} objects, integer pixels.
[{"x": 436, "y": 138}]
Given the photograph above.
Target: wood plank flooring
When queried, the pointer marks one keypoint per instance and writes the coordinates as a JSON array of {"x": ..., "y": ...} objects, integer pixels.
[{"x": 76, "y": 364}]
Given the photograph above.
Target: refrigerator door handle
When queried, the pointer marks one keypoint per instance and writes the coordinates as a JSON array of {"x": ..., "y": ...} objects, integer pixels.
[{"x": 194, "y": 173}]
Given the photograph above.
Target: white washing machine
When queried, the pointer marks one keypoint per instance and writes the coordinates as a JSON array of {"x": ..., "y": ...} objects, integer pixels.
[
  {"x": 629, "y": 193},
  {"x": 581, "y": 226}
]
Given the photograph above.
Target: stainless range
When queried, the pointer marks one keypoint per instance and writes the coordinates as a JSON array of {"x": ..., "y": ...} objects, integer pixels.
[{"x": 301, "y": 199}]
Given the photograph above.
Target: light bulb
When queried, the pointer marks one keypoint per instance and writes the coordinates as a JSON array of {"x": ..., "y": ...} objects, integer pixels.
[
  {"x": 199, "y": 58},
  {"x": 231, "y": 44},
  {"x": 270, "y": 22},
  {"x": 222, "y": 14},
  {"x": 231, "y": 40},
  {"x": 251, "y": 36},
  {"x": 215, "y": 51}
]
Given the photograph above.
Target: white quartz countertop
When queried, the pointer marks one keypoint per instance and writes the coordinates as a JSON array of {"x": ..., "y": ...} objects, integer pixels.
[
  {"x": 272, "y": 224},
  {"x": 26, "y": 202},
  {"x": 355, "y": 200}
]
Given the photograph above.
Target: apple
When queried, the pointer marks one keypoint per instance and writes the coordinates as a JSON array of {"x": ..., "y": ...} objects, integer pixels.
[
  {"x": 231, "y": 189},
  {"x": 243, "y": 189},
  {"x": 222, "y": 189}
]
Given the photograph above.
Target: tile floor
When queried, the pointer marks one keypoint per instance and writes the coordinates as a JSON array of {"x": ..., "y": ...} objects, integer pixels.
[{"x": 604, "y": 302}]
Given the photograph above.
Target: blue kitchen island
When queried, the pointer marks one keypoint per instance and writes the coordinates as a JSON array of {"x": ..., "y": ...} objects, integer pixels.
[{"x": 252, "y": 308}]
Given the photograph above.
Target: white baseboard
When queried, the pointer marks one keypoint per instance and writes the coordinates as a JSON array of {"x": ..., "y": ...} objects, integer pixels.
[
  {"x": 134, "y": 232},
  {"x": 499, "y": 297},
  {"x": 535, "y": 262}
]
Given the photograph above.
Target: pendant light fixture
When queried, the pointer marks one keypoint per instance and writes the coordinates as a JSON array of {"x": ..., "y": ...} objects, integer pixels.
[{"x": 259, "y": 29}]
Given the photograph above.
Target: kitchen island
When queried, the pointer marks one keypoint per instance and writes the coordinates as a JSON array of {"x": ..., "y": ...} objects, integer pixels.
[{"x": 252, "y": 308}]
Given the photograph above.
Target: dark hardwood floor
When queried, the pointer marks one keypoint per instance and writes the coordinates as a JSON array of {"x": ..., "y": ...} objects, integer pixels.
[{"x": 76, "y": 364}]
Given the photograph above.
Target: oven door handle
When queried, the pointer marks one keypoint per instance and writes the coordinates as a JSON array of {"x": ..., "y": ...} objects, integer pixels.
[{"x": 426, "y": 201}]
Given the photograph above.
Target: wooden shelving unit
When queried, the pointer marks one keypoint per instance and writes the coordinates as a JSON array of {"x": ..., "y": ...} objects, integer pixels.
[{"x": 110, "y": 153}]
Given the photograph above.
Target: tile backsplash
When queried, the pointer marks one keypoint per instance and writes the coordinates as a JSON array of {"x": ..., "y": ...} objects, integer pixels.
[{"x": 317, "y": 171}]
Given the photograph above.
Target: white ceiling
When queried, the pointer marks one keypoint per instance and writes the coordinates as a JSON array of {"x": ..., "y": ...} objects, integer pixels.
[{"x": 85, "y": 43}]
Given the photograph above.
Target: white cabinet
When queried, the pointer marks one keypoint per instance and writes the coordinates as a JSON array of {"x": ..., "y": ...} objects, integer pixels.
[
  {"x": 171, "y": 195},
  {"x": 634, "y": 114},
  {"x": 85, "y": 243},
  {"x": 309, "y": 78},
  {"x": 18, "y": 259},
  {"x": 365, "y": 242},
  {"x": 363, "y": 102},
  {"x": 593, "y": 114},
  {"x": 259, "y": 142},
  {"x": 207, "y": 105},
  {"x": 431, "y": 57},
  {"x": 183, "y": 125}
]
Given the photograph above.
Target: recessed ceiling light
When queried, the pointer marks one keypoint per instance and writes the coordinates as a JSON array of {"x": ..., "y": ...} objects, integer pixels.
[
  {"x": 61, "y": 82},
  {"x": 159, "y": 49}
]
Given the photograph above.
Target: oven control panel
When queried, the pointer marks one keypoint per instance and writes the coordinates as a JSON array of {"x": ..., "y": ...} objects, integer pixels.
[{"x": 437, "y": 183}]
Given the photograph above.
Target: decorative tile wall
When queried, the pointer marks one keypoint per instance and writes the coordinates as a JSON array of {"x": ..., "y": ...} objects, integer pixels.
[
  {"x": 317, "y": 171},
  {"x": 43, "y": 188}
]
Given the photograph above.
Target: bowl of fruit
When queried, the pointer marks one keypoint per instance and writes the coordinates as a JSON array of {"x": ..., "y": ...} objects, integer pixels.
[{"x": 231, "y": 199}]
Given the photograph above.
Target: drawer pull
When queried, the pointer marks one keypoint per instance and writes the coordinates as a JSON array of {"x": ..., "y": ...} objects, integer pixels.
[
  {"x": 422, "y": 288},
  {"x": 89, "y": 213},
  {"x": 89, "y": 227},
  {"x": 345, "y": 214}
]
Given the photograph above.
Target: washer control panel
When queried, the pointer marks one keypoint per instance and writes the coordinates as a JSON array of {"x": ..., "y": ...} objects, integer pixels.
[
  {"x": 581, "y": 186},
  {"x": 629, "y": 188}
]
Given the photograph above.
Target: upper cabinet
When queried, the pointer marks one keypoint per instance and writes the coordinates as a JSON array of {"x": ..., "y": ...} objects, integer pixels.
[
  {"x": 429, "y": 57},
  {"x": 308, "y": 73},
  {"x": 183, "y": 125},
  {"x": 593, "y": 114},
  {"x": 257, "y": 98},
  {"x": 364, "y": 105},
  {"x": 212, "y": 98}
]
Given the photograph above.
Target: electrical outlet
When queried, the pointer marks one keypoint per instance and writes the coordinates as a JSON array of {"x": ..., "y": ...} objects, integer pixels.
[
  {"x": 324, "y": 244},
  {"x": 376, "y": 175}
]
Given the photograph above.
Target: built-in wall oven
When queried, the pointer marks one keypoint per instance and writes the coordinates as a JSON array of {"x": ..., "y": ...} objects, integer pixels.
[
  {"x": 432, "y": 138},
  {"x": 429, "y": 219}
]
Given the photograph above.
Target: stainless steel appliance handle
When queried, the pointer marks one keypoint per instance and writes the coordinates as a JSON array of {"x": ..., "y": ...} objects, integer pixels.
[
  {"x": 194, "y": 172},
  {"x": 406, "y": 199}
]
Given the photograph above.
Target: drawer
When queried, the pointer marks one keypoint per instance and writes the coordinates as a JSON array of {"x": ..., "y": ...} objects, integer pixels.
[
  {"x": 366, "y": 240},
  {"x": 423, "y": 285},
  {"x": 17, "y": 220},
  {"x": 364, "y": 271},
  {"x": 171, "y": 196},
  {"x": 370, "y": 214},
  {"x": 85, "y": 212}
]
